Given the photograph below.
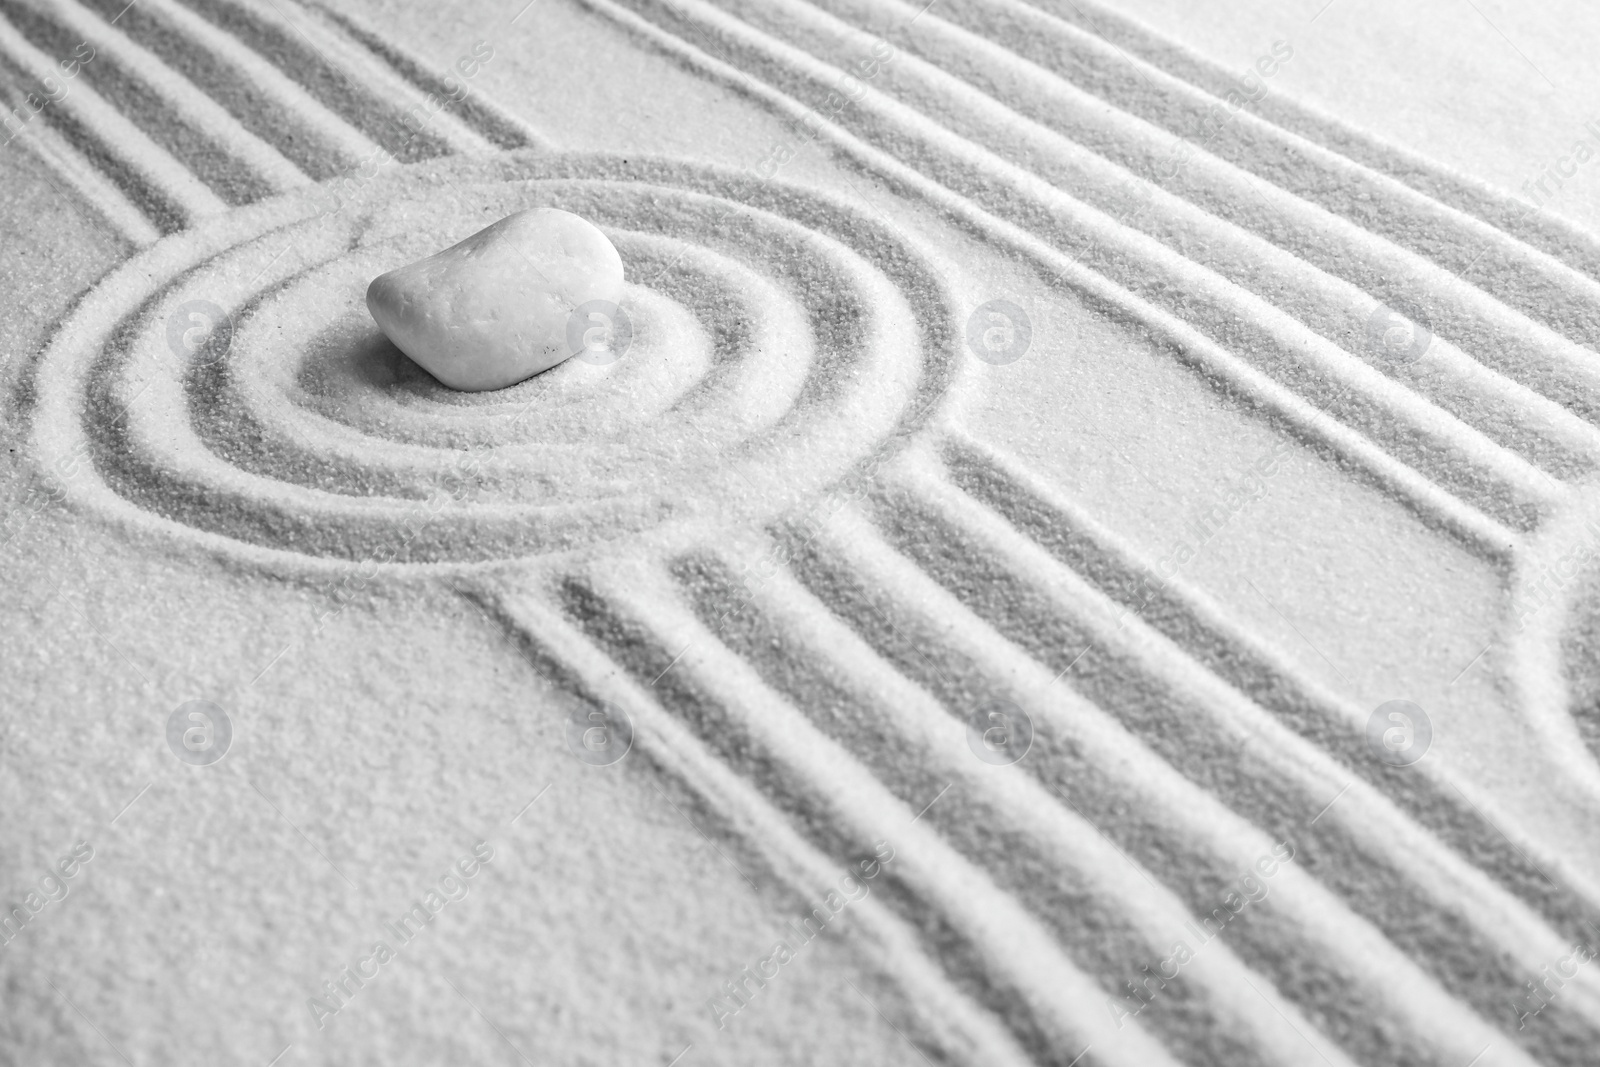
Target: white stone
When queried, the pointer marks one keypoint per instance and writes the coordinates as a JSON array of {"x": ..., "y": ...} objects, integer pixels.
[{"x": 494, "y": 309}]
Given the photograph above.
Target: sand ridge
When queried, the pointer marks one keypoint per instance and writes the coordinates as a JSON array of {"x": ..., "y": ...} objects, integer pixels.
[{"x": 810, "y": 682}]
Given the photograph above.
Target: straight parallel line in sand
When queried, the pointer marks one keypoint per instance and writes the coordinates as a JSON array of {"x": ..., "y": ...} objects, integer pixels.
[
  {"x": 1485, "y": 536},
  {"x": 1208, "y": 634},
  {"x": 97, "y": 192},
  {"x": 1063, "y": 850},
  {"x": 282, "y": 36},
  {"x": 1508, "y": 929},
  {"x": 965, "y": 1031},
  {"x": 378, "y": 76},
  {"x": 1427, "y": 191},
  {"x": 1455, "y": 455},
  {"x": 163, "y": 187},
  {"x": 1542, "y": 275},
  {"x": 183, "y": 99},
  {"x": 346, "y": 144},
  {"x": 1422, "y": 1023},
  {"x": 1315, "y": 265},
  {"x": 1053, "y": 1005},
  {"x": 491, "y": 120}
]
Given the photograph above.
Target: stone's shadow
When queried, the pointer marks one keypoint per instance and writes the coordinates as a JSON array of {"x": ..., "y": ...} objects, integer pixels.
[
  {"x": 770, "y": 346},
  {"x": 377, "y": 362},
  {"x": 356, "y": 354},
  {"x": 349, "y": 371}
]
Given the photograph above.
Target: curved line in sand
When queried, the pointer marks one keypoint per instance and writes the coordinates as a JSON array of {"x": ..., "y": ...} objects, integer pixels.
[
  {"x": 1469, "y": 448},
  {"x": 1481, "y": 472},
  {"x": 143, "y": 461},
  {"x": 1537, "y": 661},
  {"x": 1469, "y": 464}
]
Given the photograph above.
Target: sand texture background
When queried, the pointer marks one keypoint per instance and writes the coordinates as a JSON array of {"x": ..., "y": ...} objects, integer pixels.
[{"x": 1050, "y": 439}]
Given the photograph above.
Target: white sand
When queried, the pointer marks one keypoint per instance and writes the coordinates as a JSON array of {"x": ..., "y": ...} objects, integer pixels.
[{"x": 800, "y": 534}]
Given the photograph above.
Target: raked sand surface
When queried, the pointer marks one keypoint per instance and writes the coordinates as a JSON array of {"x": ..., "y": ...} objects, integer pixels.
[{"x": 1042, "y": 454}]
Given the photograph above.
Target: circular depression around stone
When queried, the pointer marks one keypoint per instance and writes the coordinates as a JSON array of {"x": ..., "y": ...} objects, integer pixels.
[
  {"x": 358, "y": 410},
  {"x": 772, "y": 350}
]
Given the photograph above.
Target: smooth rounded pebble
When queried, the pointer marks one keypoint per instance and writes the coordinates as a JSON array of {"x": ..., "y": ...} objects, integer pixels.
[{"x": 494, "y": 309}]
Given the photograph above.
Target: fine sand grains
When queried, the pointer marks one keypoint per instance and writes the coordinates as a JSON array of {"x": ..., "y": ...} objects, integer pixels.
[{"x": 784, "y": 540}]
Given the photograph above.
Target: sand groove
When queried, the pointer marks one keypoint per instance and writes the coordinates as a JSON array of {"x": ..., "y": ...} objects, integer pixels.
[
  {"x": 1052, "y": 1007},
  {"x": 1312, "y": 264},
  {"x": 1480, "y": 507},
  {"x": 1387, "y": 1011},
  {"x": 377, "y": 89},
  {"x": 1104, "y": 911},
  {"x": 822, "y": 715},
  {"x": 316, "y": 438},
  {"x": 1436, "y": 800},
  {"x": 263, "y": 97},
  {"x": 1413, "y": 199},
  {"x": 1238, "y": 320},
  {"x": 1352, "y": 186},
  {"x": 236, "y": 164},
  {"x": 166, "y": 190},
  {"x": 93, "y": 185},
  {"x": 942, "y": 1017},
  {"x": 285, "y": 44},
  {"x": 191, "y": 108},
  {"x": 1475, "y": 938},
  {"x": 490, "y": 119}
]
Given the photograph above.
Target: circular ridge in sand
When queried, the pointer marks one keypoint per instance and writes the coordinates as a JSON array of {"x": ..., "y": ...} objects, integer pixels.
[{"x": 779, "y": 338}]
